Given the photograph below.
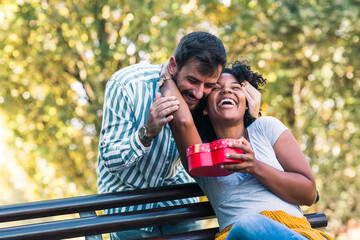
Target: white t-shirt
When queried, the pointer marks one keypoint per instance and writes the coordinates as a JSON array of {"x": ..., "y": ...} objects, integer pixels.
[{"x": 239, "y": 194}]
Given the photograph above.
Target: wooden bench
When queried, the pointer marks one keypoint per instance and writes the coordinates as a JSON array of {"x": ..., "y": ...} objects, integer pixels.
[{"x": 91, "y": 225}]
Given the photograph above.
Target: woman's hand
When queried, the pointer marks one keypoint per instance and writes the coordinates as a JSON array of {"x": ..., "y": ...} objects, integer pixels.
[
  {"x": 248, "y": 157},
  {"x": 253, "y": 97}
]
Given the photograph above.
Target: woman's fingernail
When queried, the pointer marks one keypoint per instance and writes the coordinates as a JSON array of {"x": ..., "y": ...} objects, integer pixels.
[
  {"x": 230, "y": 144},
  {"x": 227, "y": 155}
]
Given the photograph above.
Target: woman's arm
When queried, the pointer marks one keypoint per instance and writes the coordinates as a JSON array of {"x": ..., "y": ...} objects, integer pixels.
[
  {"x": 299, "y": 182},
  {"x": 182, "y": 126},
  {"x": 296, "y": 184}
]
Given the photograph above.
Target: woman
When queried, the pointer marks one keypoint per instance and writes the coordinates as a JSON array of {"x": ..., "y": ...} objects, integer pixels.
[{"x": 274, "y": 177}]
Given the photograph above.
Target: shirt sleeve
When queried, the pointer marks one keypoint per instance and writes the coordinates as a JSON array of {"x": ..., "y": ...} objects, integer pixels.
[{"x": 119, "y": 146}]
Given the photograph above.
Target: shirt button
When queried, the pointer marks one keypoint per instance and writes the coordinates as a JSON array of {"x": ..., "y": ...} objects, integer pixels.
[
  {"x": 172, "y": 139},
  {"x": 160, "y": 179},
  {"x": 167, "y": 162}
]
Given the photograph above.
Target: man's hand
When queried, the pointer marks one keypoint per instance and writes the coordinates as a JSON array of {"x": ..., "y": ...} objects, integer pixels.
[
  {"x": 160, "y": 113},
  {"x": 253, "y": 96}
]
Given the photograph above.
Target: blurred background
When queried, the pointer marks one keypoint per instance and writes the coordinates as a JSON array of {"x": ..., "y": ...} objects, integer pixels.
[{"x": 56, "y": 57}]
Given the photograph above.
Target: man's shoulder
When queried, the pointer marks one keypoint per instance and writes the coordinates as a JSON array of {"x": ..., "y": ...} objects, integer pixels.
[{"x": 135, "y": 73}]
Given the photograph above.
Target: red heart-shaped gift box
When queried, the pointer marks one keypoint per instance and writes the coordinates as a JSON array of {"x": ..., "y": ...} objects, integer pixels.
[{"x": 204, "y": 159}]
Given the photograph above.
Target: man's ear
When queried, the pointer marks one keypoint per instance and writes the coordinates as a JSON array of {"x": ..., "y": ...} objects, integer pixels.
[{"x": 172, "y": 68}]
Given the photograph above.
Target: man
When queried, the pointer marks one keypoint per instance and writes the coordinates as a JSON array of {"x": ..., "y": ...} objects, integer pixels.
[{"x": 136, "y": 148}]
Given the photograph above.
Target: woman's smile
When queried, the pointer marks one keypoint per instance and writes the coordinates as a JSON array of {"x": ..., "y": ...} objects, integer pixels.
[
  {"x": 226, "y": 103},
  {"x": 227, "y": 99}
]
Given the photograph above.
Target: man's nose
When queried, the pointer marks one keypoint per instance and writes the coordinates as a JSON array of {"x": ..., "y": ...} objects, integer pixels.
[{"x": 199, "y": 92}]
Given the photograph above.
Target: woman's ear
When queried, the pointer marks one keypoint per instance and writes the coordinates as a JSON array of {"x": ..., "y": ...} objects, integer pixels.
[{"x": 172, "y": 68}]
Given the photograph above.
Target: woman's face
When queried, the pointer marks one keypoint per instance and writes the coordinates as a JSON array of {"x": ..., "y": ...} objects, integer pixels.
[{"x": 226, "y": 102}]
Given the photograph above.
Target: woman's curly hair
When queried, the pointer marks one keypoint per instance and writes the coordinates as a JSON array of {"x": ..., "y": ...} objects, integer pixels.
[{"x": 241, "y": 71}]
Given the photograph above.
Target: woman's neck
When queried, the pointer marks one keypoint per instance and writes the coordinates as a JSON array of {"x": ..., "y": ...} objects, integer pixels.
[{"x": 235, "y": 132}]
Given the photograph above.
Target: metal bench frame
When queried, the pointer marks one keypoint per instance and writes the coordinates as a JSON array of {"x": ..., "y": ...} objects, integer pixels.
[{"x": 92, "y": 225}]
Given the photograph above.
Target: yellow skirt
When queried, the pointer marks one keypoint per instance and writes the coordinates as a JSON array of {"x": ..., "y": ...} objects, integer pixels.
[{"x": 300, "y": 225}]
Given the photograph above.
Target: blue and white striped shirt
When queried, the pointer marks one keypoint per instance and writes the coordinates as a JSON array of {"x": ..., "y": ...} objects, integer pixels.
[{"x": 123, "y": 162}]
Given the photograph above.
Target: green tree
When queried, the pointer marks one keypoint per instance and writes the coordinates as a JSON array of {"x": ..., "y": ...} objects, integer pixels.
[{"x": 57, "y": 56}]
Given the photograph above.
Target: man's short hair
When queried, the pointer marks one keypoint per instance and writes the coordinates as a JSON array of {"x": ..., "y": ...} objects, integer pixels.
[{"x": 204, "y": 48}]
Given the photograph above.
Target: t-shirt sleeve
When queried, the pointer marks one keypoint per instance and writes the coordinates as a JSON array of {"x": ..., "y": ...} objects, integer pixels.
[{"x": 273, "y": 128}]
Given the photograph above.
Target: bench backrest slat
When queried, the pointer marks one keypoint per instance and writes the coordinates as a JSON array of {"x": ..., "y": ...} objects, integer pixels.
[
  {"x": 108, "y": 223},
  {"x": 96, "y": 202},
  {"x": 89, "y": 224}
]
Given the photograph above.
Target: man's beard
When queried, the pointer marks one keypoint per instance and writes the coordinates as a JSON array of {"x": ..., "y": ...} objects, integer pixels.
[{"x": 174, "y": 77}]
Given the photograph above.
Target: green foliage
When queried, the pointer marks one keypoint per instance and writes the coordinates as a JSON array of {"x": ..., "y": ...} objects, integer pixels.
[{"x": 57, "y": 56}]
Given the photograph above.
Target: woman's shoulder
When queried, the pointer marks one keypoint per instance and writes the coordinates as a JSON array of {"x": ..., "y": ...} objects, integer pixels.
[
  {"x": 267, "y": 126},
  {"x": 266, "y": 120}
]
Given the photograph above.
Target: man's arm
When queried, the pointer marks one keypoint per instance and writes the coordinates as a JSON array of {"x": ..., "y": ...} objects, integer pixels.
[
  {"x": 120, "y": 146},
  {"x": 159, "y": 114}
]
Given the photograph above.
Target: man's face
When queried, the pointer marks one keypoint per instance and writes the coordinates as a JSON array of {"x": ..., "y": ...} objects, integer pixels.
[{"x": 192, "y": 85}]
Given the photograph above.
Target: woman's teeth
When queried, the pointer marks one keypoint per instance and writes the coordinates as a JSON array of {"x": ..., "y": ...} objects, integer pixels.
[{"x": 227, "y": 101}]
